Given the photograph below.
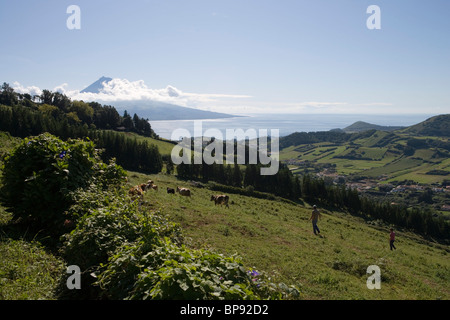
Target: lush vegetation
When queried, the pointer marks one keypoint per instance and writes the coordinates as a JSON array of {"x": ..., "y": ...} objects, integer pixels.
[
  {"x": 57, "y": 112},
  {"x": 377, "y": 162},
  {"x": 171, "y": 246},
  {"x": 57, "y": 187},
  {"x": 435, "y": 126},
  {"x": 73, "y": 186}
]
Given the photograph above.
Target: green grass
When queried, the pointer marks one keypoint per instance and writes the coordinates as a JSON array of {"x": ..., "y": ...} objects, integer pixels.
[
  {"x": 277, "y": 237},
  {"x": 272, "y": 236},
  {"x": 373, "y": 160},
  {"x": 164, "y": 146},
  {"x": 27, "y": 271}
]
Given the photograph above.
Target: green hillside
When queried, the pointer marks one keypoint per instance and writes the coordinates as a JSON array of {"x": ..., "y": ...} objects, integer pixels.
[
  {"x": 272, "y": 236},
  {"x": 396, "y": 155},
  {"x": 360, "y": 126},
  {"x": 276, "y": 236},
  {"x": 434, "y": 126}
]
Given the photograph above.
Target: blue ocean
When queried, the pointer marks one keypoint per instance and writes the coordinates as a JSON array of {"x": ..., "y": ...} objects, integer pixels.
[{"x": 286, "y": 123}]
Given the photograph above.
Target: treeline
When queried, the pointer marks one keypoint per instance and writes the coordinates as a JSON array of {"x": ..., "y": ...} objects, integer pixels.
[
  {"x": 63, "y": 109},
  {"x": 283, "y": 183},
  {"x": 129, "y": 153},
  {"x": 21, "y": 116}
]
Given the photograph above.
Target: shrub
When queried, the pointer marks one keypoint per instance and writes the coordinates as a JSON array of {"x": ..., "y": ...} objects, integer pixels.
[
  {"x": 41, "y": 173},
  {"x": 170, "y": 271},
  {"x": 106, "y": 220},
  {"x": 127, "y": 252}
]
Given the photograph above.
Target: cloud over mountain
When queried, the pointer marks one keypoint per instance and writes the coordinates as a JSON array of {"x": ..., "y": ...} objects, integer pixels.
[{"x": 122, "y": 91}]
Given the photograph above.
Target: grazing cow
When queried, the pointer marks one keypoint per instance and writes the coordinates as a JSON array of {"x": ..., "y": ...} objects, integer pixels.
[
  {"x": 155, "y": 187},
  {"x": 136, "y": 192},
  {"x": 170, "y": 190},
  {"x": 220, "y": 199},
  {"x": 184, "y": 191}
]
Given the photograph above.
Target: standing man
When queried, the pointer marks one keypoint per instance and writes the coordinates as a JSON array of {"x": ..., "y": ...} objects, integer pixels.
[
  {"x": 314, "y": 217},
  {"x": 392, "y": 239}
]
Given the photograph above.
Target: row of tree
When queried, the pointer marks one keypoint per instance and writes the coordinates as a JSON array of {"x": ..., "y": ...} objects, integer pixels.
[
  {"x": 282, "y": 184},
  {"x": 62, "y": 108},
  {"x": 130, "y": 153}
]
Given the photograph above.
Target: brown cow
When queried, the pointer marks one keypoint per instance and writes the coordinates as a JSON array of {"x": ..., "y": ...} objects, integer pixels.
[
  {"x": 154, "y": 187},
  {"x": 136, "y": 192},
  {"x": 184, "y": 191},
  {"x": 220, "y": 199}
]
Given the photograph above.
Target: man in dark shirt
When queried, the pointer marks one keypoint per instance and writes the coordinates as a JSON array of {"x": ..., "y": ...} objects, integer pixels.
[{"x": 315, "y": 217}]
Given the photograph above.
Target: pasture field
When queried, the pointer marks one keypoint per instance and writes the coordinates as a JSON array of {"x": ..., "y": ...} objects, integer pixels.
[
  {"x": 276, "y": 236},
  {"x": 164, "y": 146},
  {"x": 378, "y": 154}
]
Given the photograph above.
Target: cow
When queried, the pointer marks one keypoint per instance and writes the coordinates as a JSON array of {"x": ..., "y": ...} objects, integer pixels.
[
  {"x": 136, "y": 192},
  {"x": 155, "y": 187},
  {"x": 170, "y": 190},
  {"x": 146, "y": 186},
  {"x": 184, "y": 191},
  {"x": 220, "y": 199}
]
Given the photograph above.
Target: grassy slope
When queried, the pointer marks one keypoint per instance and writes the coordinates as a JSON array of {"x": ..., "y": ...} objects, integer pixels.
[
  {"x": 165, "y": 147},
  {"x": 272, "y": 236},
  {"x": 277, "y": 237}
]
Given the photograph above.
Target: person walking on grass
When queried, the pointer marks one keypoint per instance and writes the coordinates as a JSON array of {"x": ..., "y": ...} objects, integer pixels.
[
  {"x": 314, "y": 218},
  {"x": 392, "y": 239}
]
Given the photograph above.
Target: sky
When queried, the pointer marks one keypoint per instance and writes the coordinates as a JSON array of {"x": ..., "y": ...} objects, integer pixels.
[{"x": 244, "y": 56}]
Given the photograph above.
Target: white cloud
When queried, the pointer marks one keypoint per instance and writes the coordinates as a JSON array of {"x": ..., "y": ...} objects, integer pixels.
[
  {"x": 32, "y": 90},
  {"x": 122, "y": 92}
]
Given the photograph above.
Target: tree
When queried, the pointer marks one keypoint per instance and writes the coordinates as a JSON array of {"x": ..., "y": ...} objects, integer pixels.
[
  {"x": 127, "y": 122},
  {"x": 46, "y": 97},
  {"x": 237, "y": 176},
  {"x": 8, "y": 96},
  {"x": 83, "y": 110},
  {"x": 169, "y": 165}
]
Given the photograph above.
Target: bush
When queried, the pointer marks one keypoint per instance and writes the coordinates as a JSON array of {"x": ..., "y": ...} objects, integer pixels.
[
  {"x": 107, "y": 220},
  {"x": 174, "y": 272},
  {"x": 41, "y": 174},
  {"x": 127, "y": 252}
]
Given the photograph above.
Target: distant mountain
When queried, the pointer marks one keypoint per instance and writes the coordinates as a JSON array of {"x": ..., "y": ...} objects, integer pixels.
[
  {"x": 361, "y": 126},
  {"x": 435, "y": 126},
  {"x": 96, "y": 86},
  {"x": 156, "y": 110}
]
